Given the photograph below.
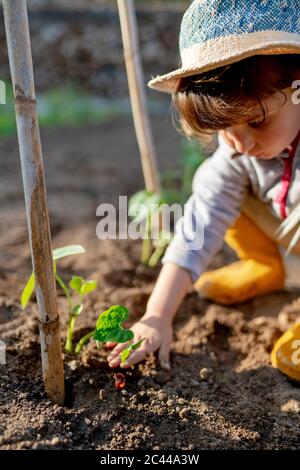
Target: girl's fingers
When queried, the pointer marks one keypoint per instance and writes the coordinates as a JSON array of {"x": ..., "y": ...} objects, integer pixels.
[
  {"x": 120, "y": 348},
  {"x": 114, "y": 362},
  {"x": 110, "y": 345},
  {"x": 135, "y": 357},
  {"x": 114, "y": 359},
  {"x": 114, "y": 353},
  {"x": 164, "y": 354}
]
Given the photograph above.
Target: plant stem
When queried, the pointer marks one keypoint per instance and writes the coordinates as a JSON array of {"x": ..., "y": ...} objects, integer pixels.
[
  {"x": 72, "y": 318},
  {"x": 147, "y": 245},
  {"x": 146, "y": 251},
  {"x": 83, "y": 341},
  {"x": 69, "y": 342},
  {"x": 159, "y": 251}
]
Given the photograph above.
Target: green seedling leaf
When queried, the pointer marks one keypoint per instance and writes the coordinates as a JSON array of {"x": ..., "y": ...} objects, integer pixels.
[
  {"x": 68, "y": 251},
  {"x": 27, "y": 291},
  {"x": 131, "y": 347},
  {"x": 109, "y": 328},
  {"x": 88, "y": 287},
  {"x": 81, "y": 286},
  {"x": 77, "y": 309},
  {"x": 76, "y": 283},
  {"x": 57, "y": 254}
]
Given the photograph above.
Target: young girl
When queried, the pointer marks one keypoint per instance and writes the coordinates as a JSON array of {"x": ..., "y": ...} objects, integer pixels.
[{"x": 240, "y": 66}]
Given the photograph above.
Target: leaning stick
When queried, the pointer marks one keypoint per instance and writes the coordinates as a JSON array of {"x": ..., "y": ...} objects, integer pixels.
[
  {"x": 137, "y": 93},
  {"x": 19, "y": 51}
]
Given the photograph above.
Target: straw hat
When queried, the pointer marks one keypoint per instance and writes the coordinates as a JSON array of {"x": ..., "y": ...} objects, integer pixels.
[{"x": 219, "y": 32}]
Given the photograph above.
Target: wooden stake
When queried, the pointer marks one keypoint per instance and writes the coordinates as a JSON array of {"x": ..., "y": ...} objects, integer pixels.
[
  {"x": 19, "y": 50},
  {"x": 137, "y": 93}
]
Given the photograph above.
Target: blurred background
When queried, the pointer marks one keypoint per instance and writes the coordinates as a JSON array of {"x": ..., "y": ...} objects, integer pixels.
[
  {"x": 89, "y": 144},
  {"x": 77, "y": 53}
]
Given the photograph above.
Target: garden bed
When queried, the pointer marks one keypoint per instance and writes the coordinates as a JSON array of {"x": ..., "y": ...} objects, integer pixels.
[{"x": 239, "y": 402}]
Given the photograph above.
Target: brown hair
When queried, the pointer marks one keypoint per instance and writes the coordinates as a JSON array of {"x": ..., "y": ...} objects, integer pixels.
[{"x": 225, "y": 96}]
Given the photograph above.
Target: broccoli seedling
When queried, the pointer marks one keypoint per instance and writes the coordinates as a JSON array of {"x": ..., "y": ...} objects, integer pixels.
[
  {"x": 108, "y": 328},
  {"x": 144, "y": 206},
  {"x": 79, "y": 285}
]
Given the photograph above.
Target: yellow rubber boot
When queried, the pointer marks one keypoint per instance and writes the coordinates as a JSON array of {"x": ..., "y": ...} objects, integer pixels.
[
  {"x": 286, "y": 353},
  {"x": 259, "y": 272}
]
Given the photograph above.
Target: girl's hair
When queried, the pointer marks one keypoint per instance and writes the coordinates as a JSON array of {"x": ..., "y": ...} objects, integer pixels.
[{"x": 226, "y": 96}]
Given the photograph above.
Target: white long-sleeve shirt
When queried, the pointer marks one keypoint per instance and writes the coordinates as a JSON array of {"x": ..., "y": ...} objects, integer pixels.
[{"x": 219, "y": 187}]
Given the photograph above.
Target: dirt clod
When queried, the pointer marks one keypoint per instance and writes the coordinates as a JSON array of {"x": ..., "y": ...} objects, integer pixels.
[
  {"x": 162, "y": 377},
  {"x": 204, "y": 373},
  {"x": 184, "y": 413},
  {"x": 102, "y": 394}
]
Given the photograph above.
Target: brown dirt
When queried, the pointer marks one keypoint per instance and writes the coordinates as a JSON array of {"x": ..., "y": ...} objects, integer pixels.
[{"x": 242, "y": 404}]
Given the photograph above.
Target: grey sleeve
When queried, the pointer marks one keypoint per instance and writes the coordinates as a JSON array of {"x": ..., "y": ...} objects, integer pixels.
[{"x": 219, "y": 188}]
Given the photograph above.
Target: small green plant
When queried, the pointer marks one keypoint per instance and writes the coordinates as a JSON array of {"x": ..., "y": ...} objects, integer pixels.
[
  {"x": 109, "y": 323},
  {"x": 109, "y": 329},
  {"x": 146, "y": 206},
  {"x": 82, "y": 288},
  {"x": 78, "y": 285}
]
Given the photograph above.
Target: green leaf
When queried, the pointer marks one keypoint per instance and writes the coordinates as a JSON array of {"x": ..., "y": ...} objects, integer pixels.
[
  {"x": 77, "y": 309},
  {"x": 76, "y": 283},
  {"x": 131, "y": 347},
  {"x": 81, "y": 286},
  {"x": 88, "y": 286},
  {"x": 125, "y": 354},
  {"x": 68, "y": 251},
  {"x": 109, "y": 326},
  {"x": 57, "y": 254},
  {"x": 27, "y": 291}
]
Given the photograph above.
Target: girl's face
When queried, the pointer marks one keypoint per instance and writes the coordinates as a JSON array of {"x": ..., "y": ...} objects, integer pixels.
[{"x": 266, "y": 140}]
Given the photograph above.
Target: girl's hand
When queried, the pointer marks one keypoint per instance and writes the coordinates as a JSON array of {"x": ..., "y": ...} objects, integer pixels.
[{"x": 158, "y": 334}]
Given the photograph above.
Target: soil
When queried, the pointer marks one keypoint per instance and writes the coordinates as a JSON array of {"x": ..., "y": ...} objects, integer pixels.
[{"x": 238, "y": 402}]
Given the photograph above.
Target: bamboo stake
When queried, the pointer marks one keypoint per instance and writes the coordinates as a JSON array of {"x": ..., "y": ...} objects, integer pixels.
[
  {"x": 19, "y": 50},
  {"x": 137, "y": 94}
]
